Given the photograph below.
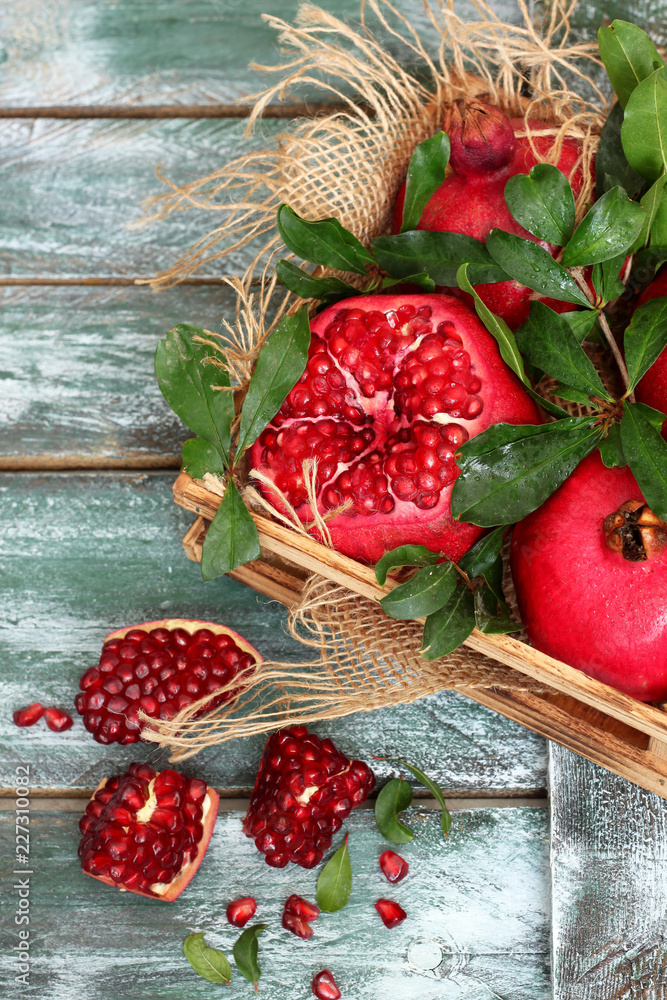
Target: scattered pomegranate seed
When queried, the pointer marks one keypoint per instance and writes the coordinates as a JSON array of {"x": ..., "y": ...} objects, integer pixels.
[
  {"x": 28, "y": 716},
  {"x": 304, "y": 790},
  {"x": 324, "y": 986},
  {"x": 301, "y": 928},
  {"x": 240, "y": 911},
  {"x": 57, "y": 720},
  {"x": 395, "y": 867},
  {"x": 297, "y": 915},
  {"x": 392, "y": 914}
]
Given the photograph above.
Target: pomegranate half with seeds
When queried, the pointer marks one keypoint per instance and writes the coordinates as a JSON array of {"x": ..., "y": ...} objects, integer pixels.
[
  {"x": 394, "y": 385},
  {"x": 159, "y": 668},
  {"x": 147, "y": 832},
  {"x": 590, "y": 571}
]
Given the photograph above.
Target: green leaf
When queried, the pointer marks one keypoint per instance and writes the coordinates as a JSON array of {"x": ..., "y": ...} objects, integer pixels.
[
  {"x": 404, "y": 555},
  {"x": 324, "y": 242},
  {"x": 188, "y": 383},
  {"x": 209, "y": 963},
  {"x": 581, "y": 322},
  {"x": 573, "y": 395},
  {"x": 608, "y": 229},
  {"x": 484, "y": 553},
  {"x": 547, "y": 340},
  {"x": 392, "y": 800},
  {"x": 611, "y": 165},
  {"x": 508, "y": 471},
  {"x": 646, "y": 262},
  {"x": 611, "y": 449},
  {"x": 199, "y": 457},
  {"x": 491, "y": 615},
  {"x": 645, "y": 338},
  {"x": 646, "y": 452},
  {"x": 655, "y": 417},
  {"x": 644, "y": 130},
  {"x": 232, "y": 537},
  {"x": 334, "y": 884},
  {"x": 606, "y": 282},
  {"x": 438, "y": 254},
  {"x": 280, "y": 364},
  {"x": 245, "y": 954},
  {"x": 629, "y": 56},
  {"x": 425, "y": 175},
  {"x": 532, "y": 265},
  {"x": 427, "y": 591},
  {"x": 658, "y": 234},
  {"x": 422, "y": 280},
  {"x": 428, "y": 783},
  {"x": 543, "y": 203},
  {"x": 650, "y": 202},
  {"x": 493, "y": 577},
  {"x": 446, "y": 629},
  {"x": 307, "y": 287}
]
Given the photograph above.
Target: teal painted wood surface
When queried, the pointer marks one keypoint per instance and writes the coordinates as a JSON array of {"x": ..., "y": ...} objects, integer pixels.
[
  {"x": 85, "y": 553},
  {"x": 477, "y": 925},
  {"x": 78, "y": 386},
  {"x": 71, "y": 189}
]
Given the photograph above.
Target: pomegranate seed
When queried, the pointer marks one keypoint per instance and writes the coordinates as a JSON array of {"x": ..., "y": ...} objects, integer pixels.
[
  {"x": 391, "y": 913},
  {"x": 28, "y": 716},
  {"x": 300, "y": 907},
  {"x": 240, "y": 911},
  {"x": 158, "y": 671},
  {"x": 394, "y": 867},
  {"x": 297, "y": 926},
  {"x": 301, "y": 778},
  {"x": 324, "y": 986},
  {"x": 57, "y": 720}
]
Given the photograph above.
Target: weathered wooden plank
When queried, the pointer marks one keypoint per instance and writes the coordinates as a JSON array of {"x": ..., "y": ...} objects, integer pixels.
[
  {"x": 78, "y": 387},
  {"x": 84, "y": 553},
  {"x": 148, "y": 52},
  {"x": 608, "y": 854},
  {"x": 477, "y": 925}
]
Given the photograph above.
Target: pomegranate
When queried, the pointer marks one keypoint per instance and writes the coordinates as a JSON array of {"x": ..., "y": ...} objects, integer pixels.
[
  {"x": 147, "y": 832},
  {"x": 391, "y": 913},
  {"x": 394, "y": 385},
  {"x": 240, "y": 911},
  {"x": 158, "y": 668},
  {"x": 393, "y": 866},
  {"x": 57, "y": 720},
  {"x": 652, "y": 388},
  {"x": 298, "y": 915},
  {"x": 487, "y": 148},
  {"x": 28, "y": 716},
  {"x": 590, "y": 571},
  {"x": 324, "y": 986},
  {"x": 304, "y": 790}
]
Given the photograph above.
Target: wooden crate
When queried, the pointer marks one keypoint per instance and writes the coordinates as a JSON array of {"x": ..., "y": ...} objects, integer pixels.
[{"x": 622, "y": 734}]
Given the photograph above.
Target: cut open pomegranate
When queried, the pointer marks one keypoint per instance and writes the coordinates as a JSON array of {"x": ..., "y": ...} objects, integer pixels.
[
  {"x": 304, "y": 790},
  {"x": 159, "y": 668},
  {"x": 147, "y": 832},
  {"x": 394, "y": 385}
]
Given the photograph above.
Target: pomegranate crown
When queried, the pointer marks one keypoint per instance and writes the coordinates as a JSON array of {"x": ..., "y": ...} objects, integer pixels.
[
  {"x": 635, "y": 532},
  {"x": 481, "y": 137}
]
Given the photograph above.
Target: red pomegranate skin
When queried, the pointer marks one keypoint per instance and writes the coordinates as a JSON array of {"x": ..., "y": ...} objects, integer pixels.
[
  {"x": 581, "y": 602},
  {"x": 652, "y": 389},
  {"x": 474, "y": 204},
  {"x": 366, "y": 537}
]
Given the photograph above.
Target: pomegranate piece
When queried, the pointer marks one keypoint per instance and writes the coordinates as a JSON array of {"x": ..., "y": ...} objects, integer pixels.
[
  {"x": 487, "y": 148},
  {"x": 240, "y": 911},
  {"x": 159, "y": 668},
  {"x": 304, "y": 790},
  {"x": 590, "y": 572},
  {"x": 297, "y": 915},
  {"x": 394, "y": 385},
  {"x": 57, "y": 720},
  {"x": 324, "y": 986},
  {"x": 28, "y": 716},
  {"x": 652, "y": 388},
  {"x": 393, "y": 866},
  {"x": 391, "y": 913},
  {"x": 301, "y": 928},
  {"x": 146, "y": 831}
]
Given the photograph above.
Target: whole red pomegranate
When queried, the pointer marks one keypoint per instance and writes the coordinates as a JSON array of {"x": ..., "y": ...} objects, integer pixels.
[
  {"x": 652, "y": 389},
  {"x": 487, "y": 148},
  {"x": 147, "y": 832},
  {"x": 590, "y": 571},
  {"x": 394, "y": 385}
]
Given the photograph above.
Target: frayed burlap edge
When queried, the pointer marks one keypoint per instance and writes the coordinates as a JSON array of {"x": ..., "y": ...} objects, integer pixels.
[{"x": 350, "y": 164}]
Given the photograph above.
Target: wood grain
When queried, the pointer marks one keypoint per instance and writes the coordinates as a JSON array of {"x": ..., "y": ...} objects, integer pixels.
[
  {"x": 85, "y": 553},
  {"x": 608, "y": 856},
  {"x": 478, "y": 904}
]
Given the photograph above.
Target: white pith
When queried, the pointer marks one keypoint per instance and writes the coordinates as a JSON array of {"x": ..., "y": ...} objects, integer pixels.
[{"x": 308, "y": 793}]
